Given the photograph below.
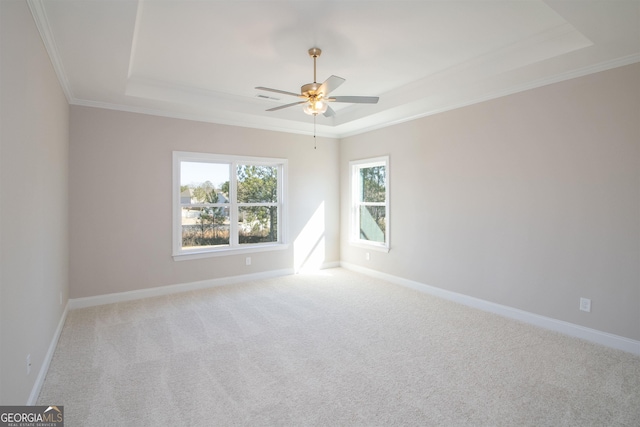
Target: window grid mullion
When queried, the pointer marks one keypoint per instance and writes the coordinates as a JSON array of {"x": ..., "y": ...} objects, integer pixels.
[
  {"x": 371, "y": 204},
  {"x": 204, "y": 205},
  {"x": 269, "y": 204},
  {"x": 233, "y": 211}
]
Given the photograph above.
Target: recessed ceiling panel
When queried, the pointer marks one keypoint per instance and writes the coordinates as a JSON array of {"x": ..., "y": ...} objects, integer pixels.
[{"x": 203, "y": 59}]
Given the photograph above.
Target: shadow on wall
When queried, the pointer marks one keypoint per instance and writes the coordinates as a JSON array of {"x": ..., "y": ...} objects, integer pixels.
[{"x": 309, "y": 246}]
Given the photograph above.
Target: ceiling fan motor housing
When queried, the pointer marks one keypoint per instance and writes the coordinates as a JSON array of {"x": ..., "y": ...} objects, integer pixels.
[{"x": 310, "y": 89}]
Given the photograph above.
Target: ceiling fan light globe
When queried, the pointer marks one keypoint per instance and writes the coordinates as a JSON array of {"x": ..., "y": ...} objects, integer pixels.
[
  {"x": 308, "y": 108},
  {"x": 321, "y": 106},
  {"x": 314, "y": 107}
]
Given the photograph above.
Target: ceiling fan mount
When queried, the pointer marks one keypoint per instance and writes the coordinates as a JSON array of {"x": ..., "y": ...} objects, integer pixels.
[
  {"x": 314, "y": 52},
  {"x": 316, "y": 95}
]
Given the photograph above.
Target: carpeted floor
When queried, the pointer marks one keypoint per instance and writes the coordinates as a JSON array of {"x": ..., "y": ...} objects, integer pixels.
[{"x": 329, "y": 349}]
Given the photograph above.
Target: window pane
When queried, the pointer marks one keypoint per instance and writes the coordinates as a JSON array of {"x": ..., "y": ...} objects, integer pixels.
[
  {"x": 204, "y": 182},
  {"x": 257, "y": 184},
  {"x": 203, "y": 227},
  {"x": 372, "y": 223},
  {"x": 258, "y": 224},
  {"x": 372, "y": 184}
]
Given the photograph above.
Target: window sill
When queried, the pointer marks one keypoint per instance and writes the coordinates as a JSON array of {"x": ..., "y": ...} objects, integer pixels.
[
  {"x": 370, "y": 246},
  {"x": 185, "y": 256}
]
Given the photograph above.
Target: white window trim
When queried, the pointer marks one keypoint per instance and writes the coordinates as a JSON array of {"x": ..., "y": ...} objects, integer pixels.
[
  {"x": 234, "y": 248},
  {"x": 354, "y": 226}
]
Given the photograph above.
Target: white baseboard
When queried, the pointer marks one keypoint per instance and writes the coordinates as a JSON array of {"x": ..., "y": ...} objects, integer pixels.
[
  {"x": 42, "y": 374},
  {"x": 334, "y": 264},
  {"x": 324, "y": 266},
  {"x": 566, "y": 328},
  {"x": 172, "y": 289},
  {"x": 182, "y": 287}
]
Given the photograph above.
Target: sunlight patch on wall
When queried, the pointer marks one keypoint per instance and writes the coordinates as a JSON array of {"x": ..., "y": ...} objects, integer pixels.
[{"x": 309, "y": 246}]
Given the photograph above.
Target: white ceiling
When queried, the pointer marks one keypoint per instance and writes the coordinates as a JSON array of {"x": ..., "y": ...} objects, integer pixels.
[{"x": 201, "y": 60}]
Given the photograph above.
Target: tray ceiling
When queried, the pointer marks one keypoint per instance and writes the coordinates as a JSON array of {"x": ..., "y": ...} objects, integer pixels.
[{"x": 201, "y": 60}]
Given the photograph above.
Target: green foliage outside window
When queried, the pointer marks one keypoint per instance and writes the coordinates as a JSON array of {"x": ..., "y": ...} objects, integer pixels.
[
  {"x": 258, "y": 184},
  {"x": 372, "y": 190}
]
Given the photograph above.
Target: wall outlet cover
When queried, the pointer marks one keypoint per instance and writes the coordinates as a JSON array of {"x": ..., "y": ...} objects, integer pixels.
[{"x": 585, "y": 304}]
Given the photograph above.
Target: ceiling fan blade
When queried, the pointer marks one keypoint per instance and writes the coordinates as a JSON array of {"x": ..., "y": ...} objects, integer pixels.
[
  {"x": 330, "y": 112},
  {"x": 280, "y": 107},
  {"x": 268, "y": 89},
  {"x": 330, "y": 84},
  {"x": 355, "y": 99}
]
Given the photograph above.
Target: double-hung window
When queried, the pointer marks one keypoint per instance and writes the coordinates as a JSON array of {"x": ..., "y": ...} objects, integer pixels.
[
  {"x": 370, "y": 203},
  {"x": 227, "y": 204}
]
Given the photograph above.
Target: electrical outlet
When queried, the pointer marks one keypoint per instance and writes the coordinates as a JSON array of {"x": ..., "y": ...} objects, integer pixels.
[
  {"x": 585, "y": 304},
  {"x": 248, "y": 260},
  {"x": 367, "y": 256},
  {"x": 28, "y": 364}
]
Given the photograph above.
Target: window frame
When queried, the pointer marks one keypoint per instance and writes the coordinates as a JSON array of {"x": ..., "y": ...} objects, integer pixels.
[
  {"x": 355, "y": 204},
  {"x": 234, "y": 247}
]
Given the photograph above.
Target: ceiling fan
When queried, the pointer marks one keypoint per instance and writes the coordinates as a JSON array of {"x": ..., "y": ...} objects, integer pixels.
[{"x": 316, "y": 96}]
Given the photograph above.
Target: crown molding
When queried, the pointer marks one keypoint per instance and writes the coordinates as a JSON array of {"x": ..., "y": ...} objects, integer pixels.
[
  {"x": 305, "y": 129},
  {"x": 42, "y": 23},
  {"x": 558, "y": 78}
]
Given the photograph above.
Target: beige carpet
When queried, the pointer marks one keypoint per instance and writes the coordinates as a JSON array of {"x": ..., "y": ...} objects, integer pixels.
[{"x": 331, "y": 349}]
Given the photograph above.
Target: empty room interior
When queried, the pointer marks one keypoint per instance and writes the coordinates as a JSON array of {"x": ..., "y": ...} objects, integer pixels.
[{"x": 321, "y": 212}]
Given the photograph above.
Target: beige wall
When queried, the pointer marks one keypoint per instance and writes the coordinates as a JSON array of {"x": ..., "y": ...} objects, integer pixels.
[
  {"x": 120, "y": 199},
  {"x": 530, "y": 201},
  {"x": 34, "y": 135}
]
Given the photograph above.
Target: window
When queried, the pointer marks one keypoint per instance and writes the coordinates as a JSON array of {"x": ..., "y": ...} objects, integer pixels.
[
  {"x": 227, "y": 204},
  {"x": 370, "y": 203}
]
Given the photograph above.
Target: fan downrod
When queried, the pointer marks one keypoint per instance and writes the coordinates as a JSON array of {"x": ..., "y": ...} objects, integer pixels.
[{"x": 310, "y": 89}]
